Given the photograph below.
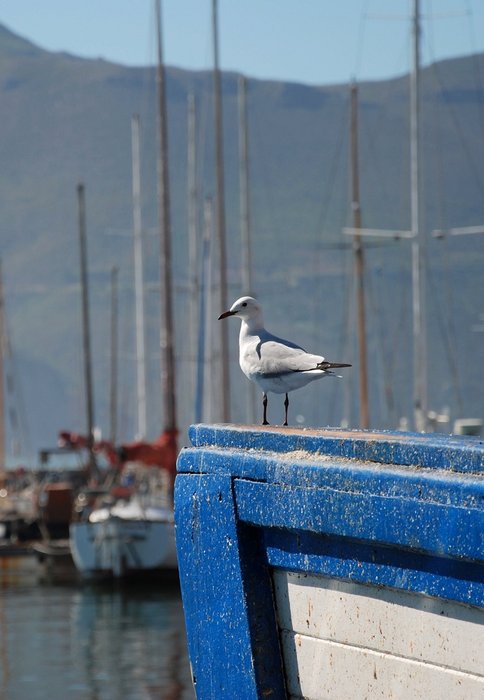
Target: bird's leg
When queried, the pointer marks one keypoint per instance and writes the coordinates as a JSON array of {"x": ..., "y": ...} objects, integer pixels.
[
  {"x": 264, "y": 403},
  {"x": 286, "y": 406}
]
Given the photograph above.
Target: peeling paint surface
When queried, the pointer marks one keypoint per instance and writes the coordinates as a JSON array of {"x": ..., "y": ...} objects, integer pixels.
[{"x": 385, "y": 514}]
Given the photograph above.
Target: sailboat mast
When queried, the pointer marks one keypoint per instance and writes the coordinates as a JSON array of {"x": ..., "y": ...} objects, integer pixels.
[
  {"x": 245, "y": 233},
  {"x": 244, "y": 189},
  {"x": 113, "y": 391},
  {"x": 418, "y": 240},
  {"x": 359, "y": 263},
  {"x": 138, "y": 281},
  {"x": 203, "y": 405},
  {"x": 193, "y": 233},
  {"x": 167, "y": 332},
  {"x": 86, "y": 333},
  {"x": 220, "y": 222}
]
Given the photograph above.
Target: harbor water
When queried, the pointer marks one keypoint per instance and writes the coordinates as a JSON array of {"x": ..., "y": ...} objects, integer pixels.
[{"x": 89, "y": 642}]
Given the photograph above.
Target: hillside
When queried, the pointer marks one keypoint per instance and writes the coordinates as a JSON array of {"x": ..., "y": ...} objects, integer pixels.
[{"x": 66, "y": 120}]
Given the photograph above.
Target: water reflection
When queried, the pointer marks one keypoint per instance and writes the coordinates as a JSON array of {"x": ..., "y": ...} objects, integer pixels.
[
  {"x": 130, "y": 638},
  {"x": 91, "y": 642}
]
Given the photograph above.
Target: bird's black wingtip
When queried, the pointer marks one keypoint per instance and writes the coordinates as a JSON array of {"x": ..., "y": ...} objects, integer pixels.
[{"x": 333, "y": 365}]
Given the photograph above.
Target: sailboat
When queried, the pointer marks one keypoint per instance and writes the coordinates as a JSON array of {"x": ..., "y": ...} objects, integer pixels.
[
  {"x": 132, "y": 530},
  {"x": 57, "y": 495}
]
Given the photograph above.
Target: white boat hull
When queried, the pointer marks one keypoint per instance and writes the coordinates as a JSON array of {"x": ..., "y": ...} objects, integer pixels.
[{"x": 119, "y": 546}]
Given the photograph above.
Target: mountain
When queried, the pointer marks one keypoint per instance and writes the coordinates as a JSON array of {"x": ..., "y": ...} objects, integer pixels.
[{"x": 65, "y": 120}]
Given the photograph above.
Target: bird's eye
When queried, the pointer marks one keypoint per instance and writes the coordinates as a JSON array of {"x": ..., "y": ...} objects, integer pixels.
[{"x": 244, "y": 304}]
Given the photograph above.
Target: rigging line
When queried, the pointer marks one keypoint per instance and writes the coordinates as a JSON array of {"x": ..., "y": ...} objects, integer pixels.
[
  {"x": 450, "y": 305},
  {"x": 203, "y": 122},
  {"x": 383, "y": 348},
  {"x": 344, "y": 335},
  {"x": 477, "y": 68},
  {"x": 447, "y": 320},
  {"x": 439, "y": 174},
  {"x": 260, "y": 163},
  {"x": 329, "y": 192},
  {"x": 373, "y": 317},
  {"x": 401, "y": 319},
  {"x": 125, "y": 378},
  {"x": 360, "y": 39},
  {"x": 201, "y": 138},
  {"x": 398, "y": 64},
  {"x": 149, "y": 74},
  {"x": 458, "y": 128},
  {"x": 448, "y": 347},
  {"x": 473, "y": 52},
  {"x": 388, "y": 357},
  {"x": 373, "y": 130},
  {"x": 373, "y": 158},
  {"x": 334, "y": 169},
  {"x": 14, "y": 388},
  {"x": 448, "y": 331}
]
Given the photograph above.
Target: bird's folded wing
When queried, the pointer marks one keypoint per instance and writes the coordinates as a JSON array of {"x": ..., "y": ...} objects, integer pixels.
[{"x": 279, "y": 358}]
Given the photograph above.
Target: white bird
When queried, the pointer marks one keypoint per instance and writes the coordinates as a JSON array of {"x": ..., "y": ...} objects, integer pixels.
[{"x": 273, "y": 363}]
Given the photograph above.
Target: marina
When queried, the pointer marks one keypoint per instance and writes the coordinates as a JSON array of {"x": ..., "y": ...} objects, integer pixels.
[
  {"x": 178, "y": 537},
  {"x": 88, "y": 642}
]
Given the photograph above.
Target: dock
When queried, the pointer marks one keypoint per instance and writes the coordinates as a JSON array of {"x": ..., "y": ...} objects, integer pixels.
[{"x": 332, "y": 563}]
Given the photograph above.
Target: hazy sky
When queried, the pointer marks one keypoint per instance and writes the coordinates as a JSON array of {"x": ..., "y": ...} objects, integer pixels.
[{"x": 310, "y": 41}]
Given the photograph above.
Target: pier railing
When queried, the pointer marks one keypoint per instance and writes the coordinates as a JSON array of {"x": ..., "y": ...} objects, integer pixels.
[{"x": 332, "y": 563}]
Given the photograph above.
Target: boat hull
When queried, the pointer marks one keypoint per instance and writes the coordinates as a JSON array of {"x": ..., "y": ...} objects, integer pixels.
[
  {"x": 332, "y": 563},
  {"x": 118, "y": 547}
]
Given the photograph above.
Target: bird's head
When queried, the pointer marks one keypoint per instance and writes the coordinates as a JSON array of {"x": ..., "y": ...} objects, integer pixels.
[{"x": 246, "y": 308}]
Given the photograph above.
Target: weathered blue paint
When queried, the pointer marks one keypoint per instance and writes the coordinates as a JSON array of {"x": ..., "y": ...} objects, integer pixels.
[
  {"x": 226, "y": 578},
  {"x": 398, "y": 510},
  {"x": 390, "y": 447},
  {"x": 450, "y": 579}
]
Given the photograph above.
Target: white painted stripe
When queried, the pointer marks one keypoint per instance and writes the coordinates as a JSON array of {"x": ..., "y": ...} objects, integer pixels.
[
  {"x": 317, "y": 669},
  {"x": 417, "y": 635}
]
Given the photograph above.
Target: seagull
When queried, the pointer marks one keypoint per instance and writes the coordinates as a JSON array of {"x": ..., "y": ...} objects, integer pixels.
[{"x": 273, "y": 363}]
